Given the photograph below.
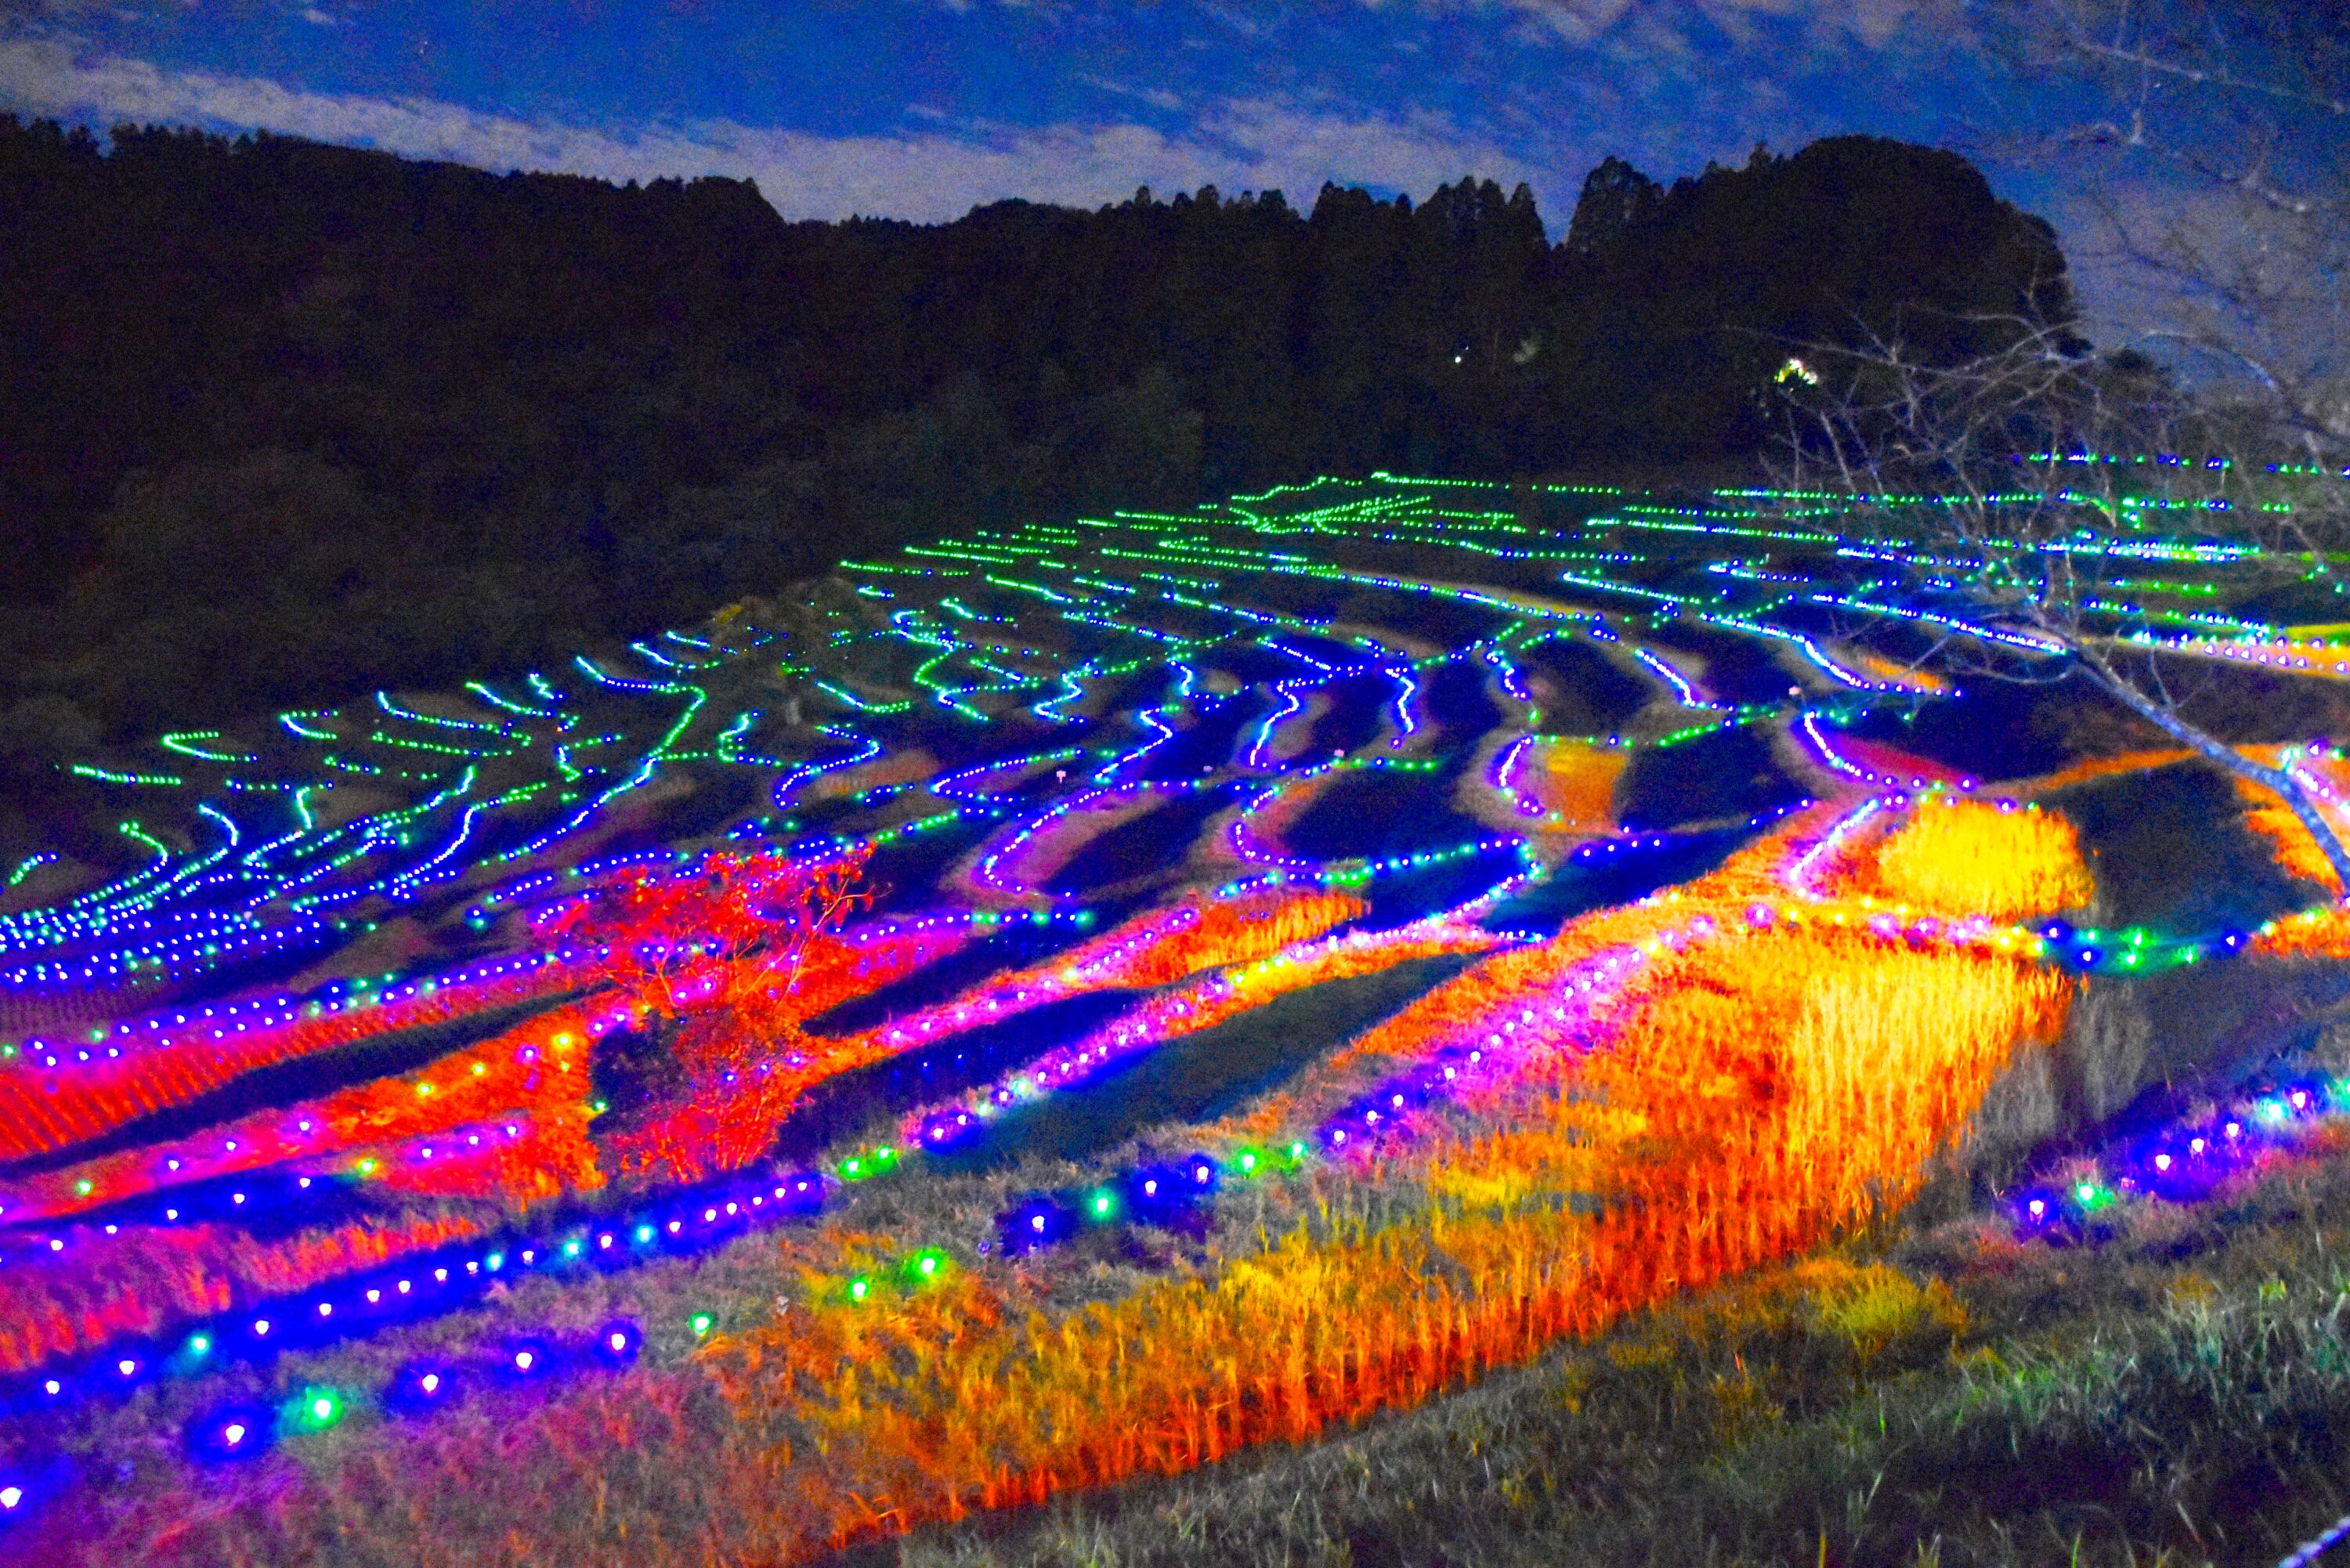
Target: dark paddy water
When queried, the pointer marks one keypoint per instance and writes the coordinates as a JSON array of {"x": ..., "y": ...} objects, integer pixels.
[
  {"x": 1013, "y": 945},
  {"x": 1400, "y": 897},
  {"x": 1206, "y": 740},
  {"x": 1376, "y": 812},
  {"x": 1601, "y": 877},
  {"x": 1591, "y": 696},
  {"x": 1158, "y": 841},
  {"x": 1454, "y": 696},
  {"x": 1360, "y": 707},
  {"x": 276, "y": 1205},
  {"x": 1736, "y": 670},
  {"x": 841, "y": 1107},
  {"x": 1728, "y": 773},
  {"x": 1206, "y": 1074},
  {"x": 2170, "y": 850},
  {"x": 1992, "y": 732}
]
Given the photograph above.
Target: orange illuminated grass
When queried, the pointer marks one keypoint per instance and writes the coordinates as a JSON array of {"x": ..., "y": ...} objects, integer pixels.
[
  {"x": 1898, "y": 673},
  {"x": 2295, "y": 847},
  {"x": 1577, "y": 781},
  {"x": 152, "y": 1278},
  {"x": 764, "y": 1063},
  {"x": 1969, "y": 858},
  {"x": 1786, "y": 1085}
]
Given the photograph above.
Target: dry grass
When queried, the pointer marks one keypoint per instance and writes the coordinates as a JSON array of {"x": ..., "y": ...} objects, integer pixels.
[
  {"x": 1578, "y": 781},
  {"x": 1969, "y": 858}
]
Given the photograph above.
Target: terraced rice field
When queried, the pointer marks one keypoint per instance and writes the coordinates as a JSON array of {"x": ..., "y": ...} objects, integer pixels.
[{"x": 1043, "y": 1008}]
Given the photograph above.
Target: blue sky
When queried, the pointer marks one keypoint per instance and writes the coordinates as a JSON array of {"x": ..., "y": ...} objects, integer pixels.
[{"x": 922, "y": 108}]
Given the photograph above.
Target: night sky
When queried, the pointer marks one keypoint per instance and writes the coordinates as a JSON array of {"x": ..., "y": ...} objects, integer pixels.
[{"x": 922, "y": 108}]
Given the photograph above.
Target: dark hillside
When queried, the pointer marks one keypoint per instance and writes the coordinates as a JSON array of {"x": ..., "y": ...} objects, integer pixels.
[
  {"x": 280, "y": 422},
  {"x": 1680, "y": 293}
]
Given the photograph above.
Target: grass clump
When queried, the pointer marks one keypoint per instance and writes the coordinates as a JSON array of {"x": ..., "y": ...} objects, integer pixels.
[{"x": 1969, "y": 856}]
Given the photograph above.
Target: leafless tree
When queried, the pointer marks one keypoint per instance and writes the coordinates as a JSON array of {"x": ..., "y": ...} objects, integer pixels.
[
  {"x": 2208, "y": 141},
  {"x": 2010, "y": 496}
]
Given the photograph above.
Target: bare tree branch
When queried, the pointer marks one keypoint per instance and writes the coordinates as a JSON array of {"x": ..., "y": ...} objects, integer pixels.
[{"x": 2016, "y": 489}]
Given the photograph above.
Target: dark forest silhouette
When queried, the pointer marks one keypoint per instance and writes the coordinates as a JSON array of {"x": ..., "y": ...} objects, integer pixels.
[{"x": 281, "y": 421}]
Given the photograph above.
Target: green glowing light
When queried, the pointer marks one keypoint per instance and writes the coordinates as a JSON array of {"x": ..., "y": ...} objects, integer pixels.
[{"x": 316, "y": 1408}]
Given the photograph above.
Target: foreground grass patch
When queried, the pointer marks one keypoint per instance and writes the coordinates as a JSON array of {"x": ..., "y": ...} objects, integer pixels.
[{"x": 2179, "y": 1396}]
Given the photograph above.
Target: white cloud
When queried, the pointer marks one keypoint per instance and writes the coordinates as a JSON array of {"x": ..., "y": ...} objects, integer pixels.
[
  {"x": 1157, "y": 98},
  {"x": 1295, "y": 148},
  {"x": 927, "y": 174},
  {"x": 1665, "y": 26}
]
